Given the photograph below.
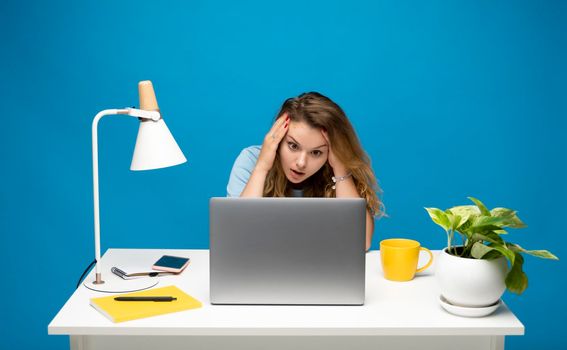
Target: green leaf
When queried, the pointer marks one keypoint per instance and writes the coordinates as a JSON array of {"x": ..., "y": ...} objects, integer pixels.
[
  {"x": 517, "y": 280},
  {"x": 511, "y": 215},
  {"x": 488, "y": 237},
  {"x": 465, "y": 211},
  {"x": 493, "y": 251},
  {"x": 483, "y": 209},
  {"x": 502, "y": 212},
  {"x": 454, "y": 221},
  {"x": 503, "y": 249},
  {"x": 439, "y": 217},
  {"x": 481, "y": 222},
  {"x": 479, "y": 250},
  {"x": 515, "y": 222},
  {"x": 544, "y": 254},
  {"x": 491, "y": 255},
  {"x": 485, "y": 228}
]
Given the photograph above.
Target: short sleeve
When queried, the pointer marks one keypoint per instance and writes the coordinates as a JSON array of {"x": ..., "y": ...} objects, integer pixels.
[{"x": 241, "y": 170}]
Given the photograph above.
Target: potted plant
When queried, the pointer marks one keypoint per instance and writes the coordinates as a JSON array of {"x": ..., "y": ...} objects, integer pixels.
[{"x": 476, "y": 271}]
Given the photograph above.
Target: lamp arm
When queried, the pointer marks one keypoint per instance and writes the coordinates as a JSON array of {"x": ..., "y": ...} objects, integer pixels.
[{"x": 133, "y": 112}]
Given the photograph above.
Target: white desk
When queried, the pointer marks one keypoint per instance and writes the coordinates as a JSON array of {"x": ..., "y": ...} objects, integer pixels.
[{"x": 400, "y": 315}]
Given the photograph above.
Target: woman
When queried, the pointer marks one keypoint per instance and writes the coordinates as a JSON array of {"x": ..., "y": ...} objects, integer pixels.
[{"x": 310, "y": 151}]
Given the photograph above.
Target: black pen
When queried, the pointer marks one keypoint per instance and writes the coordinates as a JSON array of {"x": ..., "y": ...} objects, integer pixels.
[{"x": 148, "y": 298}]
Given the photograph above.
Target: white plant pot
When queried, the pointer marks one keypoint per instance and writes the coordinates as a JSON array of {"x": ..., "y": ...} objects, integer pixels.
[{"x": 470, "y": 282}]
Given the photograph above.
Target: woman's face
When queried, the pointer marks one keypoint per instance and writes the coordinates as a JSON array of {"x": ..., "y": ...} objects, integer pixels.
[{"x": 303, "y": 151}]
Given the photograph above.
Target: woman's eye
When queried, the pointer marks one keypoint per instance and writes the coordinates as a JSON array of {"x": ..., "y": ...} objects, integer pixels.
[
  {"x": 292, "y": 146},
  {"x": 317, "y": 153}
]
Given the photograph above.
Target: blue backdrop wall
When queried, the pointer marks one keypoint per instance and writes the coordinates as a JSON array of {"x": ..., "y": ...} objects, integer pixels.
[{"x": 450, "y": 99}]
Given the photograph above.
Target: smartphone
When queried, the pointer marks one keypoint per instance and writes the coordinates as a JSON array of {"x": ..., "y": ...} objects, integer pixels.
[{"x": 170, "y": 263}]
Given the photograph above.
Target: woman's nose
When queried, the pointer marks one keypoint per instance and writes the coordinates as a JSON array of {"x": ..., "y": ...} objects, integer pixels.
[{"x": 301, "y": 161}]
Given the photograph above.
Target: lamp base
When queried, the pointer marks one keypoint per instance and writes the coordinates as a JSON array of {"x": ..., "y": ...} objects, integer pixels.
[
  {"x": 114, "y": 284},
  {"x": 103, "y": 280}
]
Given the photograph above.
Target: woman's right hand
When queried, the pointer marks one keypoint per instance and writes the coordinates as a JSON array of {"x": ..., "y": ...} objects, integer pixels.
[{"x": 271, "y": 143}]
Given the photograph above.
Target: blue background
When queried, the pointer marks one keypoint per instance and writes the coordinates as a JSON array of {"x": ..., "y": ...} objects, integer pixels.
[{"x": 449, "y": 98}]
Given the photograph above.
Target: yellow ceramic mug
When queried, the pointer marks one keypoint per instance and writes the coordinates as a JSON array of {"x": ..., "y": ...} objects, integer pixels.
[{"x": 399, "y": 258}]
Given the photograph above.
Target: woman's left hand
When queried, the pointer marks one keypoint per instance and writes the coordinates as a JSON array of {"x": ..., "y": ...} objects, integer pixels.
[{"x": 338, "y": 167}]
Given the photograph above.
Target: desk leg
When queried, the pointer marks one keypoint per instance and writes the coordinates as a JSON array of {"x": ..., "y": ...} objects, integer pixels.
[
  {"x": 77, "y": 342},
  {"x": 497, "y": 342}
]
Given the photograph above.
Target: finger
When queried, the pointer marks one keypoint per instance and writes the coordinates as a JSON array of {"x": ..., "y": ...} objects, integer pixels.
[
  {"x": 280, "y": 132},
  {"x": 279, "y": 122}
]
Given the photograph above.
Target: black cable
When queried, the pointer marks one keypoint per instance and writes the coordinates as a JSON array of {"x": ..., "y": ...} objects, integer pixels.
[{"x": 85, "y": 272}]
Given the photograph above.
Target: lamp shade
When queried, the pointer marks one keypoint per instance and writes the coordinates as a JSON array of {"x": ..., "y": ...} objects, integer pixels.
[{"x": 155, "y": 147}]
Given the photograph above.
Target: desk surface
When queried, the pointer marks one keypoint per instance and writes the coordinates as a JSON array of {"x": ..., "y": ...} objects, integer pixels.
[{"x": 391, "y": 308}]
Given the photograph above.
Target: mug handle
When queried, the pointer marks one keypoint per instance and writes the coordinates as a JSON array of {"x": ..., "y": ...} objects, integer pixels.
[{"x": 429, "y": 262}]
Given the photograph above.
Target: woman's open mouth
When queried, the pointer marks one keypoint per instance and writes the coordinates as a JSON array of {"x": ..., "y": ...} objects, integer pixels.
[{"x": 296, "y": 174}]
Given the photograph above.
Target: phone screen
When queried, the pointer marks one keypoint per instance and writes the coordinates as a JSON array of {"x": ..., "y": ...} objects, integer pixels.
[{"x": 173, "y": 262}]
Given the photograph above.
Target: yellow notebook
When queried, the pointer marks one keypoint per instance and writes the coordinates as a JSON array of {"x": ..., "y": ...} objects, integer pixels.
[{"x": 120, "y": 311}]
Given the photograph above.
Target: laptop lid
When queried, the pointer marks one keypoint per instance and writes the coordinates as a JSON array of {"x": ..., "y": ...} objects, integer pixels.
[{"x": 287, "y": 250}]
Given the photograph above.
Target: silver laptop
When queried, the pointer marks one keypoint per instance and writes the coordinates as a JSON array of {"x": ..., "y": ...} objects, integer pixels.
[{"x": 287, "y": 251}]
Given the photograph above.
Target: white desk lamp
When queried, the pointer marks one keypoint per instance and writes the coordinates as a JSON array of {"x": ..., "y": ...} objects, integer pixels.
[{"x": 155, "y": 148}]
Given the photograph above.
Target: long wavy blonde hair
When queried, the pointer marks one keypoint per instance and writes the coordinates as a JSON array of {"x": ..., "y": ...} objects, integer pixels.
[{"x": 321, "y": 112}]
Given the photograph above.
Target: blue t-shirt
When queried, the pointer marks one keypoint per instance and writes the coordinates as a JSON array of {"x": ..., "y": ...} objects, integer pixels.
[{"x": 242, "y": 169}]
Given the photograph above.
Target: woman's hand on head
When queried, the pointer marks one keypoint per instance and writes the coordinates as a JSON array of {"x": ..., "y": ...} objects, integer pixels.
[
  {"x": 272, "y": 142},
  {"x": 338, "y": 167}
]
